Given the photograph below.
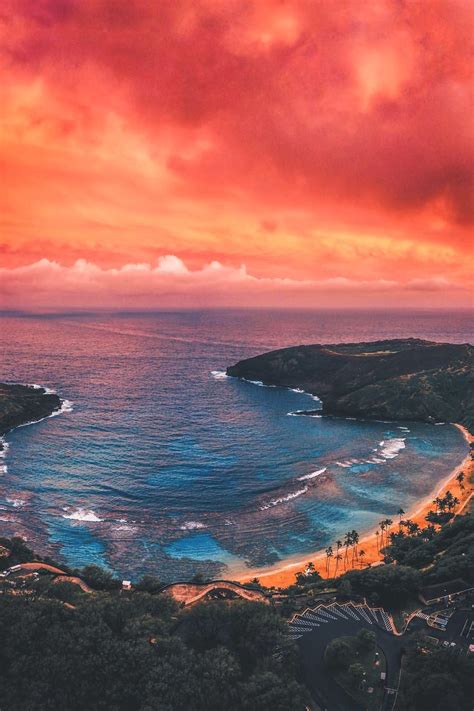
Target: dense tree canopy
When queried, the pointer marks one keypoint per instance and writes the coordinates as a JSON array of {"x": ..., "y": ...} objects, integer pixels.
[
  {"x": 437, "y": 682},
  {"x": 138, "y": 652}
]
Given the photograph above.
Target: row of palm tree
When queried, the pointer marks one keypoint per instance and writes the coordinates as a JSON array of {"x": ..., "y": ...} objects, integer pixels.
[
  {"x": 383, "y": 536},
  {"x": 446, "y": 503},
  {"x": 384, "y": 533},
  {"x": 351, "y": 541}
]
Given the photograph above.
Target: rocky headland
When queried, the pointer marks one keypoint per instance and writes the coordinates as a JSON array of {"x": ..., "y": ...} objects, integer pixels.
[
  {"x": 21, "y": 404},
  {"x": 402, "y": 379}
]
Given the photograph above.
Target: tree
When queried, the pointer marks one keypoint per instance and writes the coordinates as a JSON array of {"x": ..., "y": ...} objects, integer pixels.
[
  {"x": 329, "y": 555},
  {"x": 344, "y": 588},
  {"x": 149, "y": 584},
  {"x": 413, "y": 528},
  {"x": 361, "y": 556},
  {"x": 100, "y": 579},
  {"x": 356, "y": 674},
  {"x": 460, "y": 479},
  {"x": 126, "y": 654},
  {"x": 338, "y": 654},
  {"x": 366, "y": 640},
  {"x": 382, "y": 529},
  {"x": 354, "y": 543},
  {"x": 437, "y": 681},
  {"x": 393, "y": 584},
  {"x": 347, "y": 544},
  {"x": 338, "y": 557},
  {"x": 400, "y": 513}
]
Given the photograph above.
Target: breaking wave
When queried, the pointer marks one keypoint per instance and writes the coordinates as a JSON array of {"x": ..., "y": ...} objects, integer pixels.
[
  {"x": 391, "y": 448},
  {"x": 191, "y": 526},
  {"x": 312, "y": 475},
  {"x": 83, "y": 515},
  {"x": 219, "y": 374},
  {"x": 284, "y": 499}
]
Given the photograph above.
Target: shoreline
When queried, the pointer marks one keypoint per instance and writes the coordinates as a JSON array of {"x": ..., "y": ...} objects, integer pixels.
[{"x": 283, "y": 573}]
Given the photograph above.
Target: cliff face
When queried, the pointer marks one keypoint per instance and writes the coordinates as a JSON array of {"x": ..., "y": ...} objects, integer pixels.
[
  {"x": 406, "y": 379},
  {"x": 20, "y": 404}
]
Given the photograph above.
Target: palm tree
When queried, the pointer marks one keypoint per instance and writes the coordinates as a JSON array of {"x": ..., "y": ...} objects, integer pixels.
[
  {"x": 338, "y": 557},
  {"x": 460, "y": 478},
  {"x": 329, "y": 554},
  {"x": 377, "y": 539},
  {"x": 361, "y": 555},
  {"x": 355, "y": 542},
  {"x": 400, "y": 513},
  {"x": 413, "y": 528},
  {"x": 388, "y": 523},
  {"x": 448, "y": 500},
  {"x": 429, "y": 531},
  {"x": 347, "y": 543},
  {"x": 455, "y": 501},
  {"x": 382, "y": 529}
]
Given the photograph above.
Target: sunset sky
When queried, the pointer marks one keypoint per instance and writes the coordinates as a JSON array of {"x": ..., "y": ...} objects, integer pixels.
[{"x": 186, "y": 153}]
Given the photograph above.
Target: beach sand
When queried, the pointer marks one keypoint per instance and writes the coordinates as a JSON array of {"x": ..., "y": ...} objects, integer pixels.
[{"x": 283, "y": 574}]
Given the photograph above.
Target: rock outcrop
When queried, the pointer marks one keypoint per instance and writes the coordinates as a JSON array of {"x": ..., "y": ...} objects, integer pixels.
[
  {"x": 407, "y": 379},
  {"x": 20, "y": 404}
]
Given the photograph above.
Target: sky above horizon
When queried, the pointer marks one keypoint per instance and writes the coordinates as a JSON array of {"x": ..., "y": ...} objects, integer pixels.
[{"x": 188, "y": 153}]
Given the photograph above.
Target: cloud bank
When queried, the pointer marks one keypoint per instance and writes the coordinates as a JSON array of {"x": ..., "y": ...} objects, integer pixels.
[{"x": 170, "y": 283}]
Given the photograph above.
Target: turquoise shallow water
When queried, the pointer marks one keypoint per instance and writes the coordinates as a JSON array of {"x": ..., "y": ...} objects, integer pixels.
[{"x": 165, "y": 466}]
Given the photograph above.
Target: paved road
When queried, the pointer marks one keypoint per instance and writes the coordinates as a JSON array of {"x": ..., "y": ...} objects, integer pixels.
[{"x": 458, "y": 623}]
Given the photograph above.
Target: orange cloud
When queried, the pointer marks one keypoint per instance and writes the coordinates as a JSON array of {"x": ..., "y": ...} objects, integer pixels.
[{"x": 312, "y": 141}]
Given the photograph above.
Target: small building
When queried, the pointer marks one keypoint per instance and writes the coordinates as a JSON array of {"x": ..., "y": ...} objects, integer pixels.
[
  {"x": 436, "y": 593},
  {"x": 126, "y": 585}
]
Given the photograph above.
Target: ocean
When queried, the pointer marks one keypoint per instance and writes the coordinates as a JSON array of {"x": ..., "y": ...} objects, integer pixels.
[{"x": 160, "y": 464}]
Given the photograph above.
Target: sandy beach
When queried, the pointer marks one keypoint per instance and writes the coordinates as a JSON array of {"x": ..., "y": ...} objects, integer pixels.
[{"x": 283, "y": 574}]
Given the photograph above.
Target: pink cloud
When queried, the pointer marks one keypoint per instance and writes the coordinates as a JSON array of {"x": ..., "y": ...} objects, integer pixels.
[{"x": 169, "y": 282}]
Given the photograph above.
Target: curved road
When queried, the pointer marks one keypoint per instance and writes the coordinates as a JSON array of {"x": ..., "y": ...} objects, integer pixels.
[
  {"x": 323, "y": 687},
  {"x": 187, "y": 593}
]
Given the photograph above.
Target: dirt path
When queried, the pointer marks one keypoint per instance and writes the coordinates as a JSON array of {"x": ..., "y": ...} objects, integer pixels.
[
  {"x": 42, "y": 566},
  {"x": 188, "y": 593},
  {"x": 76, "y": 581}
]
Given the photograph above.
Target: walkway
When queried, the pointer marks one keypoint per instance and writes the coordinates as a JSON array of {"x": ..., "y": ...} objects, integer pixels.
[{"x": 188, "y": 593}]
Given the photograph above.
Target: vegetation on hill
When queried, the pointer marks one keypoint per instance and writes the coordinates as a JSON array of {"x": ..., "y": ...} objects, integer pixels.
[
  {"x": 138, "y": 651},
  {"x": 436, "y": 681},
  {"x": 415, "y": 557},
  {"x": 122, "y": 651},
  {"x": 407, "y": 379}
]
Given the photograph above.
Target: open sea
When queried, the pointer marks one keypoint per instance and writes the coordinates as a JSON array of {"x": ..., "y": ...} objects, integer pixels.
[{"x": 161, "y": 464}]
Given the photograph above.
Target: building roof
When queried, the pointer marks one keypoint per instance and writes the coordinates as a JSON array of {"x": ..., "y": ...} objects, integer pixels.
[{"x": 433, "y": 592}]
